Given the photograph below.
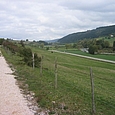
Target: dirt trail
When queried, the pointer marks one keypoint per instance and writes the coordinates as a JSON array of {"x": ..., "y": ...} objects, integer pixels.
[{"x": 11, "y": 99}]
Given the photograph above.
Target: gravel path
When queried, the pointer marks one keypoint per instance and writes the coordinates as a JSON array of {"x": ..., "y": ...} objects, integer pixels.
[{"x": 12, "y": 101}]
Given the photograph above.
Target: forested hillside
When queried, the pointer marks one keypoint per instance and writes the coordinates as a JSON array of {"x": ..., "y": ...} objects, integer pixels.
[{"x": 89, "y": 34}]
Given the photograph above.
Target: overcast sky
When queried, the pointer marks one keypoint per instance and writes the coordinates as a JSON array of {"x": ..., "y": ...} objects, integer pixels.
[{"x": 52, "y": 19}]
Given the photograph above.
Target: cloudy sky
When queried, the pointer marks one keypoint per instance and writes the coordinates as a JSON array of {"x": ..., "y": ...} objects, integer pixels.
[{"x": 52, "y": 19}]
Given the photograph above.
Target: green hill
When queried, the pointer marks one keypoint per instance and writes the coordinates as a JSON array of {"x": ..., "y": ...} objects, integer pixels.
[{"x": 89, "y": 34}]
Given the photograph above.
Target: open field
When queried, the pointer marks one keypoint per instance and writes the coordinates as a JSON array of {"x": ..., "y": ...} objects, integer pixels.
[
  {"x": 101, "y": 56},
  {"x": 73, "y": 93}
]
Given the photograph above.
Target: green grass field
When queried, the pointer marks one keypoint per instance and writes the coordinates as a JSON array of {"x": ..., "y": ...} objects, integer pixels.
[
  {"x": 101, "y": 56},
  {"x": 73, "y": 93}
]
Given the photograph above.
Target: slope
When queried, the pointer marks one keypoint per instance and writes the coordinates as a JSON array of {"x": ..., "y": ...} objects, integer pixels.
[{"x": 89, "y": 34}]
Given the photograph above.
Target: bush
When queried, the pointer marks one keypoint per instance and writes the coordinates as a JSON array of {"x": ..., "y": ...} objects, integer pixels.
[
  {"x": 114, "y": 46},
  {"x": 92, "y": 49},
  {"x": 26, "y": 53},
  {"x": 37, "y": 60},
  {"x": 1, "y": 40},
  {"x": 10, "y": 46}
]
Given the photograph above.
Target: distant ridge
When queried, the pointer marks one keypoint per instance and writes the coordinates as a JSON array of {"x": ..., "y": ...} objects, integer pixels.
[{"x": 95, "y": 33}]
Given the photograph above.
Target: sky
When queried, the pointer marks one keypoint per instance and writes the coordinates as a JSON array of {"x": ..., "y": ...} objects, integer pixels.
[{"x": 53, "y": 19}]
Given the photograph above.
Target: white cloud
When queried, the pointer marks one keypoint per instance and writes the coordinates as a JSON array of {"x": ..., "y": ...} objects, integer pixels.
[{"x": 43, "y": 20}]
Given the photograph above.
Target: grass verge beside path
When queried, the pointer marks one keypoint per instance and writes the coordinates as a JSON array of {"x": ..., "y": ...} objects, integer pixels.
[{"x": 73, "y": 94}]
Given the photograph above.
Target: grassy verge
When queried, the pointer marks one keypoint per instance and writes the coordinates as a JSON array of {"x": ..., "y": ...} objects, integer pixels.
[{"x": 73, "y": 94}]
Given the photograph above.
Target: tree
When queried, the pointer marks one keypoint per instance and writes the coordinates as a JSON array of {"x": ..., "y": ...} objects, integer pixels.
[
  {"x": 1, "y": 40},
  {"x": 26, "y": 53},
  {"x": 47, "y": 48},
  {"x": 106, "y": 44},
  {"x": 10, "y": 46},
  {"x": 114, "y": 46},
  {"x": 27, "y": 40},
  {"x": 99, "y": 47},
  {"x": 85, "y": 43},
  {"x": 92, "y": 49},
  {"x": 56, "y": 46},
  {"x": 42, "y": 45},
  {"x": 22, "y": 43},
  {"x": 37, "y": 60},
  {"x": 74, "y": 45},
  {"x": 99, "y": 42},
  {"x": 68, "y": 46}
]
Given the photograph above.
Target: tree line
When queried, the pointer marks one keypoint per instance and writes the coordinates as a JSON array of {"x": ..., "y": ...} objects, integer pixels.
[{"x": 96, "y": 45}]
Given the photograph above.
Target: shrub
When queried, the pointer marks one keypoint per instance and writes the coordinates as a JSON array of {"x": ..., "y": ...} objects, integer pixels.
[
  {"x": 10, "y": 46},
  {"x": 92, "y": 49},
  {"x": 37, "y": 60},
  {"x": 114, "y": 46},
  {"x": 26, "y": 53}
]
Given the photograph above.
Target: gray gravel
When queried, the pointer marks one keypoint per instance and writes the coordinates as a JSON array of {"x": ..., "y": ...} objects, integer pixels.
[{"x": 12, "y": 101}]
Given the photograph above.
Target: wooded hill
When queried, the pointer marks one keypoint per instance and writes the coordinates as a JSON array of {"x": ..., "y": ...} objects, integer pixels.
[{"x": 89, "y": 34}]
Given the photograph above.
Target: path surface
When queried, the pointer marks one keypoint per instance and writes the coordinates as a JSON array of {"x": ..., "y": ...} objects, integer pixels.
[
  {"x": 11, "y": 100},
  {"x": 103, "y": 60}
]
